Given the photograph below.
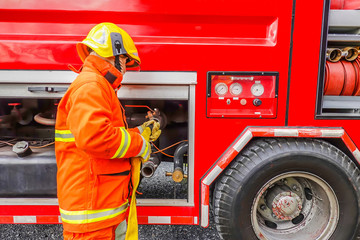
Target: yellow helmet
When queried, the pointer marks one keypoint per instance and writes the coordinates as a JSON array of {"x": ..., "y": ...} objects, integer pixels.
[{"x": 107, "y": 40}]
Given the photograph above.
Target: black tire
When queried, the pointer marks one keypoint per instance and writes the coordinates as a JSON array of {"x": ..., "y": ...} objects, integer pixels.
[{"x": 265, "y": 159}]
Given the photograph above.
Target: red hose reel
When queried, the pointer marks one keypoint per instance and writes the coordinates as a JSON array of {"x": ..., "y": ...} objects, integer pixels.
[
  {"x": 342, "y": 78},
  {"x": 345, "y": 4}
]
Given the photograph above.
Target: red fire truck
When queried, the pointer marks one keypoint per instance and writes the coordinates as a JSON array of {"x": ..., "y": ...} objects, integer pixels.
[{"x": 258, "y": 103}]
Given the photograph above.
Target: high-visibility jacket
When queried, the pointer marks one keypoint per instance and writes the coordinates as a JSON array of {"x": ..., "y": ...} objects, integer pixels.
[{"x": 93, "y": 146}]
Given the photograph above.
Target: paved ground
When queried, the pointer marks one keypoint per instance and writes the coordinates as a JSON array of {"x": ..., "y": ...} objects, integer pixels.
[{"x": 146, "y": 232}]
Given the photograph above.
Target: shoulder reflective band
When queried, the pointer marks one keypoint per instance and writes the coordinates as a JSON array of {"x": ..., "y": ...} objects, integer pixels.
[
  {"x": 64, "y": 136},
  {"x": 124, "y": 145},
  {"x": 90, "y": 216}
]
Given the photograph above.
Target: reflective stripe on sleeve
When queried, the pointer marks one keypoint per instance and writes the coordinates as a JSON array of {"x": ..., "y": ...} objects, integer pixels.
[
  {"x": 144, "y": 152},
  {"x": 64, "y": 136},
  {"x": 147, "y": 152},
  {"x": 90, "y": 216},
  {"x": 124, "y": 144},
  {"x": 140, "y": 129}
]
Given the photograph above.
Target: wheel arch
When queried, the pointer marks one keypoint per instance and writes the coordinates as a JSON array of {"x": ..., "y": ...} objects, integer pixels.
[{"x": 335, "y": 136}]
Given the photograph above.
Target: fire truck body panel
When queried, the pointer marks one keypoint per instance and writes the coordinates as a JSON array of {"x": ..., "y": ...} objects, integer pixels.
[{"x": 185, "y": 49}]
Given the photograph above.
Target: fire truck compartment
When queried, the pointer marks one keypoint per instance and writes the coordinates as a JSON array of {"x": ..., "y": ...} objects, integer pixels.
[
  {"x": 31, "y": 176},
  {"x": 28, "y": 112},
  {"x": 339, "y": 66}
]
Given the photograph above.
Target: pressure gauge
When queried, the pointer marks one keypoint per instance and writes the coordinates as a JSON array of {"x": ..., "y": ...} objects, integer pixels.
[
  {"x": 257, "y": 89},
  {"x": 235, "y": 89},
  {"x": 221, "y": 89}
]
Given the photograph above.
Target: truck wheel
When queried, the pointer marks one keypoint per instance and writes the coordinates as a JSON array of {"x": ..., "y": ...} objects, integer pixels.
[{"x": 282, "y": 189}]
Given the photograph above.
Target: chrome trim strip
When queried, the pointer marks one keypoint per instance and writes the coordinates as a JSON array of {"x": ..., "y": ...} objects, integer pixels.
[
  {"x": 204, "y": 215},
  {"x": 159, "y": 220},
  {"x": 58, "y": 76},
  {"x": 172, "y": 78},
  {"x": 240, "y": 144},
  {"x": 24, "y": 219},
  {"x": 163, "y": 202},
  {"x": 332, "y": 133},
  {"x": 212, "y": 175},
  {"x": 286, "y": 132},
  {"x": 153, "y": 92},
  {"x": 191, "y": 154},
  {"x": 29, "y": 201},
  {"x": 36, "y": 76},
  {"x": 356, "y": 154}
]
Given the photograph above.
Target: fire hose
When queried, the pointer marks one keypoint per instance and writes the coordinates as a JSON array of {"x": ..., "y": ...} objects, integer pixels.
[
  {"x": 345, "y": 4},
  {"x": 342, "y": 78}
]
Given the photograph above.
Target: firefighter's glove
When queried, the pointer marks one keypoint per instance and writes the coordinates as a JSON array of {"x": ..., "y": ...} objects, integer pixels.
[
  {"x": 146, "y": 133},
  {"x": 155, "y": 133},
  {"x": 144, "y": 125}
]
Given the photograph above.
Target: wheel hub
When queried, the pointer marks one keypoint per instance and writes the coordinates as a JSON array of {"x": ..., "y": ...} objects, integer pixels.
[
  {"x": 295, "y": 205},
  {"x": 286, "y": 205}
]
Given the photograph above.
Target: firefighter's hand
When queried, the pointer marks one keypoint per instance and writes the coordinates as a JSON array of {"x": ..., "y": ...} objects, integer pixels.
[
  {"x": 145, "y": 124},
  {"x": 155, "y": 133}
]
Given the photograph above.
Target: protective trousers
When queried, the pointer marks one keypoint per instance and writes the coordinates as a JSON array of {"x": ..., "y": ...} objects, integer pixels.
[
  {"x": 110, "y": 233},
  {"x": 117, "y": 232}
]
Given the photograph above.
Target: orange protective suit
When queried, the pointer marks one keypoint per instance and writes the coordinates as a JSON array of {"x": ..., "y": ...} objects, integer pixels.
[{"x": 93, "y": 145}]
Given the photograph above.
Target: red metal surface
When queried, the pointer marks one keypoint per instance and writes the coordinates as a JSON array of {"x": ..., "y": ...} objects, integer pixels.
[{"x": 176, "y": 36}]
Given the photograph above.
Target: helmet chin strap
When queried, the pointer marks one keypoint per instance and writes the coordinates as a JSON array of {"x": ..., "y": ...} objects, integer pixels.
[{"x": 117, "y": 63}]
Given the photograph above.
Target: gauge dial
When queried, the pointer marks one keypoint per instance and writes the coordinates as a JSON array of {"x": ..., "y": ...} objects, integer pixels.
[
  {"x": 236, "y": 89},
  {"x": 221, "y": 89},
  {"x": 257, "y": 89}
]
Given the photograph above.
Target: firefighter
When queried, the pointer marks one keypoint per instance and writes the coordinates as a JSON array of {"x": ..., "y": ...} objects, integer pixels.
[{"x": 97, "y": 154}]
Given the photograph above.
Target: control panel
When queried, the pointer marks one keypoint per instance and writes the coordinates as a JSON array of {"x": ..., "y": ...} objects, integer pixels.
[{"x": 242, "y": 94}]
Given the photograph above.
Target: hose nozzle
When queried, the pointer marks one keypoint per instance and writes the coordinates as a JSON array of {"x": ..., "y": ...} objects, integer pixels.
[
  {"x": 350, "y": 53},
  {"x": 149, "y": 167},
  {"x": 333, "y": 54}
]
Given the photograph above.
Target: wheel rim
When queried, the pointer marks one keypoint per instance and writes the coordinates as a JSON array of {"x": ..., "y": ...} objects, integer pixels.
[{"x": 295, "y": 205}]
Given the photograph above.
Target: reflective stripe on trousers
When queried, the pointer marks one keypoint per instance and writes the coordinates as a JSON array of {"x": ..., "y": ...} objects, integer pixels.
[{"x": 90, "y": 216}]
